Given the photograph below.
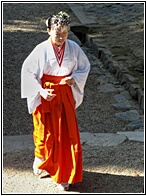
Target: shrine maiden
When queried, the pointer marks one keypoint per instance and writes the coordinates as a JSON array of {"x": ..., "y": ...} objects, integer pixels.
[{"x": 53, "y": 77}]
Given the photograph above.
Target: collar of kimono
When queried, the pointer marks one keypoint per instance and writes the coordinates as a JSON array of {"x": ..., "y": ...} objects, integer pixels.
[{"x": 59, "y": 52}]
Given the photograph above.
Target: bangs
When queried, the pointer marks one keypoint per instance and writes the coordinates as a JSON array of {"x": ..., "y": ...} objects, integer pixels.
[{"x": 60, "y": 28}]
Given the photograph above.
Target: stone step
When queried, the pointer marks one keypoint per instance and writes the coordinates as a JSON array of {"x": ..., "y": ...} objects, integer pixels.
[
  {"x": 22, "y": 142},
  {"x": 78, "y": 11}
]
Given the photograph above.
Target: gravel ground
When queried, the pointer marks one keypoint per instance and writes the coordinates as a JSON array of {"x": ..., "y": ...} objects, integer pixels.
[
  {"x": 22, "y": 32},
  {"x": 121, "y": 30},
  {"x": 106, "y": 170}
]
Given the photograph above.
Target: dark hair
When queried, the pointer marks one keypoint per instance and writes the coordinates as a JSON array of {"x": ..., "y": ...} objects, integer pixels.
[{"x": 48, "y": 22}]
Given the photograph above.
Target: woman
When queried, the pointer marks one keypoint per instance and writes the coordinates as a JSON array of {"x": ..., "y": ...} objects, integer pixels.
[{"x": 53, "y": 78}]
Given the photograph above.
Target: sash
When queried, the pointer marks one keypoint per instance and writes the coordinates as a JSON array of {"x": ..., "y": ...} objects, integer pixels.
[{"x": 50, "y": 82}]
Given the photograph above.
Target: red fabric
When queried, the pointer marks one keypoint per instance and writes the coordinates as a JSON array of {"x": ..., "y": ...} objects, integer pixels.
[{"x": 56, "y": 134}]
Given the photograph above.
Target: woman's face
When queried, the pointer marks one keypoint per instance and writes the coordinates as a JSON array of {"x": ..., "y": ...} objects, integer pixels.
[{"x": 58, "y": 34}]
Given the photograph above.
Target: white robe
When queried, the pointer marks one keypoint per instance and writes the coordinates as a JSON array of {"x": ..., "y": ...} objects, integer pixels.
[{"x": 42, "y": 60}]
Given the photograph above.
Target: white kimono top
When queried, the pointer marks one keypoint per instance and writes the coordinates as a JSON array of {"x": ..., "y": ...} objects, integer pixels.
[{"x": 42, "y": 60}]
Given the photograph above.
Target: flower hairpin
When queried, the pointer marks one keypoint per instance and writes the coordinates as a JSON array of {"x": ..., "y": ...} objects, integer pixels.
[{"x": 62, "y": 18}]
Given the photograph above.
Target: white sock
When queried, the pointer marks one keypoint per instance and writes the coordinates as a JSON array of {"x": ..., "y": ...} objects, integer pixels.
[{"x": 36, "y": 162}]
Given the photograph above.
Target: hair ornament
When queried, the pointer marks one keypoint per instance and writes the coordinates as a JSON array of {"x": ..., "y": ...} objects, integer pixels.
[{"x": 62, "y": 18}]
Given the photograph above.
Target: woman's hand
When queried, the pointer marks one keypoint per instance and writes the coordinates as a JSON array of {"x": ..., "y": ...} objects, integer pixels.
[
  {"x": 67, "y": 80},
  {"x": 47, "y": 94}
]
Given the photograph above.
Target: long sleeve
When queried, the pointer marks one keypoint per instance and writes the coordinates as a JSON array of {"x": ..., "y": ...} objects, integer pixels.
[
  {"x": 30, "y": 74},
  {"x": 30, "y": 79},
  {"x": 80, "y": 74}
]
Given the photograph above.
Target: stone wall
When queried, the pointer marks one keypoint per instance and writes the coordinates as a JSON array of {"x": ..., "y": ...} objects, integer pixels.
[{"x": 130, "y": 83}]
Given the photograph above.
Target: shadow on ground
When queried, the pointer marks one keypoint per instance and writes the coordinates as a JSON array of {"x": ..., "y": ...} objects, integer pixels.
[
  {"x": 17, "y": 164},
  {"x": 106, "y": 183}
]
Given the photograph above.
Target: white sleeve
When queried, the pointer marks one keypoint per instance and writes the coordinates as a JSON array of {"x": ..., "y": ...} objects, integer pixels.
[
  {"x": 80, "y": 75},
  {"x": 32, "y": 71},
  {"x": 30, "y": 75}
]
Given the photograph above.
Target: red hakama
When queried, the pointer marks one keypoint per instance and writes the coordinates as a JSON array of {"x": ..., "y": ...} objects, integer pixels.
[{"x": 56, "y": 133}]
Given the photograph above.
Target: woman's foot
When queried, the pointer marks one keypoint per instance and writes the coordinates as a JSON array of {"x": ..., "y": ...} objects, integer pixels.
[
  {"x": 63, "y": 186},
  {"x": 37, "y": 161}
]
